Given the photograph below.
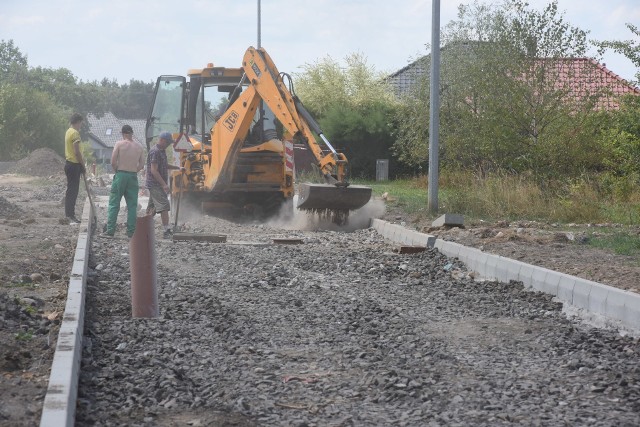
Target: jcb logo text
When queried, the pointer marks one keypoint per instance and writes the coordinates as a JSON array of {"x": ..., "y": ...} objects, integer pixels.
[{"x": 231, "y": 120}]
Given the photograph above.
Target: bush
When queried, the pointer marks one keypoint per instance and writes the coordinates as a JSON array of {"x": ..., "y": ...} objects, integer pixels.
[{"x": 362, "y": 134}]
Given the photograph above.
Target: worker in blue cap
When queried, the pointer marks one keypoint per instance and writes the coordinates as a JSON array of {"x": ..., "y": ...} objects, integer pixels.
[{"x": 157, "y": 181}]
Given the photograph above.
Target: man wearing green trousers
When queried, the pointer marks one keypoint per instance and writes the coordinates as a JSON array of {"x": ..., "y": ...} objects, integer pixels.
[{"x": 127, "y": 160}]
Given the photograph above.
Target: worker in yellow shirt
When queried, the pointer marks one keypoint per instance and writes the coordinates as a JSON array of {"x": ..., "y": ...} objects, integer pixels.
[{"x": 73, "y": 167}]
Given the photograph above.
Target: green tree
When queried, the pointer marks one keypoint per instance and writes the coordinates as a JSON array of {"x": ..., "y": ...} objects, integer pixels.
[
  {"x": 12, "y": 61},
  {"x": 134, "y": 100},
  {"x": 504, "y": 90},
  {"x": 621, "y": 138},
  {"x": 29, "y": 119},
  {"x": 354, "y": 107},
  {"x": 629, "y": 48}
]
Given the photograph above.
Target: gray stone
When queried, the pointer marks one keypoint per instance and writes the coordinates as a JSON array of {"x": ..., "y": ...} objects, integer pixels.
[{"x": 449, "y": 220}]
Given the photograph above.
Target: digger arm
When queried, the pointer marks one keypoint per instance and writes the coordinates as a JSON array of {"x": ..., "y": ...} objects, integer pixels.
[
  {"x": 227, "y": 138},
  {"x": 265, "y": 79}
]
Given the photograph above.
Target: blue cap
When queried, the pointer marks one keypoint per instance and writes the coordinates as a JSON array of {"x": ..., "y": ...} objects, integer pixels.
[{"x": 166, "y": 136}]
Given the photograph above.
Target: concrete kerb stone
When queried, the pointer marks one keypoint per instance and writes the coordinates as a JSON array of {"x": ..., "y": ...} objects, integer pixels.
[
  {"x": 491, "y": 266},
  {"x": 616, "y": 304},
  {"x": 513, "y": 268},
  {"x": 450, "y": 249},
  {"x": 598, "y": 299},
  {"x": 480, "y": 264},
  {"x": 631, "y": 309},
  {"x": 565, "y": 288},
  {"x": 525, "y": 275},
  {"x": 551, "y": 282},
  {"x": 59, "y": 406},
  {"x": 399, "y": 234},
  {"x": 613, "y": 303},
  {"x": 464, "y": 254},
  {"x": 581, "y": 292}
]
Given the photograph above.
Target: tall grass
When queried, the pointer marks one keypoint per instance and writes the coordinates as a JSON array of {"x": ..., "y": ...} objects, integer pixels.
[{"x": 512, "y": 197}]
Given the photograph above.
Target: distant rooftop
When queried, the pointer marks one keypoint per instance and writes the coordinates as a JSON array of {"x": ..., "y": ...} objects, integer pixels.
[
  {"x": 584, "y": 76},
  {"x": 106, "y": 129}
]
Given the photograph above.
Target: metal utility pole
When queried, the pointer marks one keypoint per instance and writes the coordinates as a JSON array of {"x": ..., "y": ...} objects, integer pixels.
[
  {"x": 259, "y": 46},
  {"x": 434, "y": 107}
]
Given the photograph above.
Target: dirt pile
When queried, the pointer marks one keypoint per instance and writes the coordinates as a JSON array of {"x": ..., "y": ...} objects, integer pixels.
[
  {"x": 40, "y": 162},
  {"x": 9, "y": 210},
  {"x": 21, "y": 316}
]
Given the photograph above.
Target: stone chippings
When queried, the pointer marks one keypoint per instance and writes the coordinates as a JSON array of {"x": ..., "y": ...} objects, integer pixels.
[{"x": 340, "y": 331}]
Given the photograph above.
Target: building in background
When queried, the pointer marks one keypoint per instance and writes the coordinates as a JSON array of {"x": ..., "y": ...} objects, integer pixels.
[{"x": 104, "y": 132}]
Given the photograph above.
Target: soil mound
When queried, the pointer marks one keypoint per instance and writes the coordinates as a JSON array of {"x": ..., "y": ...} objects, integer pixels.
[
  {"x": 8, "y": 210},
  {"x": 41, "y": 162}
]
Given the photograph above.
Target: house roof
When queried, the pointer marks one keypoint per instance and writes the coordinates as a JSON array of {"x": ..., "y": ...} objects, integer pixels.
[
  {"x": 585, "y": 76},
  {"x": 405, "y": 79},
  {"x": 582, "y": 76},
  {"x": 106, "y": 129}
]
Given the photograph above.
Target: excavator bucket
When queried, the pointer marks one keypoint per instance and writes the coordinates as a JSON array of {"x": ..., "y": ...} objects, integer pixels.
[{"x": 325, "y": 197}]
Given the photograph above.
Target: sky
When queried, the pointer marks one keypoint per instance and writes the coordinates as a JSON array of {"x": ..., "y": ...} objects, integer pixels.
[{"x": 142, "y": 39}]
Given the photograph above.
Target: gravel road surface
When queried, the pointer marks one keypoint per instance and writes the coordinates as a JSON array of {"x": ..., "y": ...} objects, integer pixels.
[{"x": 340, "y": 330}]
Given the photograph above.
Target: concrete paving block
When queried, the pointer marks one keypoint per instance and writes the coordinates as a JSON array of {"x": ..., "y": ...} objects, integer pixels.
[
  {"x": 449, "y": 249},
  {"x": 477, "y": 261},
  {"x": 551, "y": 281},
  {"x": 632, "y": 310},
  {"x": 615, "y": 307},
  {"x": 465, "y": 254},
  {"x": 581, "y": 292},
  {"x": 451, "y": 220},
  {"x": 526, "y": 275},
  {"x": 499, "y": 270},
  {"x": 479, "y": 264},
  {"x": 392, "y": 234},
  {"x": 401, "y": 236},
  {"x": 538, "y": 277},
  {"x": 453, "y": 249},
  {"x": 510, "y": 269},
  {"x": 410, "y": 236},
  {"x": 491, "y": 266},
  {"x": 565, "y": 288},
  {"x": 425, "y": 240},
  {"x": 598, "y": 299}
]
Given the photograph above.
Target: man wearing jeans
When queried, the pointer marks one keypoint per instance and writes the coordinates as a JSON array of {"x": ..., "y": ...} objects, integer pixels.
[
  {"x": 127, "y": 160},
  {"x": 73, "y": 167},
  {"x": 157, "y": 181}
]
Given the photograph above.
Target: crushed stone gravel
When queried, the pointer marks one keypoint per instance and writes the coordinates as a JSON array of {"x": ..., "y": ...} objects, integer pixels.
[{"x": 339, "y": 330}]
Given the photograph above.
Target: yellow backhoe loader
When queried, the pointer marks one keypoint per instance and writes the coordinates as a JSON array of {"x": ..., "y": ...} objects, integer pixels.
[{"x": 235, "y": 130}]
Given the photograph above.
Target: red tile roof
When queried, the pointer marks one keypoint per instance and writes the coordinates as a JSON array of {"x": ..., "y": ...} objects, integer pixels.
[{"x": 585, "y": 77}]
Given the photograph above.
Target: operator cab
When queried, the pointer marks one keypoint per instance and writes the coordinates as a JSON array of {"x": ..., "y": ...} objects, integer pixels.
[{"x": 192, "y": 107}]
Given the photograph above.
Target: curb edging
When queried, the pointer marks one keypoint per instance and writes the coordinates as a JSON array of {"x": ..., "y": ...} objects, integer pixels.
[
  {"x": 597, "y": 298},
  {"x": 59, "y": 406}
]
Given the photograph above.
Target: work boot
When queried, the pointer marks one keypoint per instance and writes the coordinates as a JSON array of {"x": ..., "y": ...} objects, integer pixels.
[
  {"x": 168, "y": 234},
  {"x": 73, "y": 220}
]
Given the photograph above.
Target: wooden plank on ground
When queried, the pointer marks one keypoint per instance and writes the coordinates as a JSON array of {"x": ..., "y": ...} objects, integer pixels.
[
  {"x": 287, "y": 241},
  {"x": 199, "y": 237},
  {"x": 412, "y": 249}
]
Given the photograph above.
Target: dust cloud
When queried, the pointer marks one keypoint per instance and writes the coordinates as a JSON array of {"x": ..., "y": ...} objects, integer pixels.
[
  {"x": 190, "y": 212},
  {"x": 304, "y": 220}
]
